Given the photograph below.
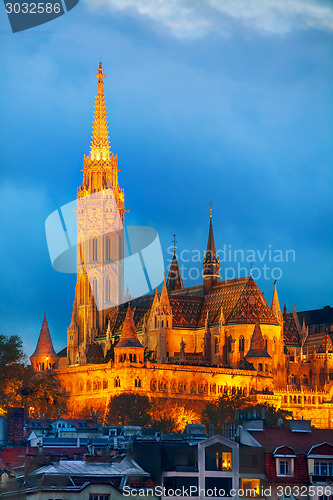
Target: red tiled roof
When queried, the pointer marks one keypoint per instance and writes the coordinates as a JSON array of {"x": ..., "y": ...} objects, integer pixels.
[
  {"x": 301, "y": 442},
  {"x": 15, "y": 456}
]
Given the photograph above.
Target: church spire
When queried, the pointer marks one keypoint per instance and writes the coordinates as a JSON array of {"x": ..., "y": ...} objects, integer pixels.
[
  {"x": 100, "y": 144},
  {"x": 275, "y": 306},
  {"x": 174, "y": 281},
  {"x": 211, "y": 262}
]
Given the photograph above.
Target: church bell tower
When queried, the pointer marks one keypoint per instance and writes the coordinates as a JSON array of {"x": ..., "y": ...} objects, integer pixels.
[{"x": 100, "y": 247}]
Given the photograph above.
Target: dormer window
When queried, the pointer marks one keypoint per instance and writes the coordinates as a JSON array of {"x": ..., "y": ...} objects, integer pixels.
[{"x": 284, "y": 456}]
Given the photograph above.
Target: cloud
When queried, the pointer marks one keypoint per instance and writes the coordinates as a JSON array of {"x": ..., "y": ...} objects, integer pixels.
[{"x": 195, "y": 18}]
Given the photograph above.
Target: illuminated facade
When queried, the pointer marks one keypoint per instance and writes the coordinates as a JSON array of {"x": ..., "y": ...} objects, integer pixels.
[{"x": 190, "y": 344}]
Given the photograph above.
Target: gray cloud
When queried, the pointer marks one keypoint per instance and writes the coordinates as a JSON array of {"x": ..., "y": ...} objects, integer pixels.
[{"x": 193, "y": 18}]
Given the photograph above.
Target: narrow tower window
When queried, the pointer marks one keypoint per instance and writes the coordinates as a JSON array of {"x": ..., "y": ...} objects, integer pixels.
[
  {"x": 107, "y": 248},
  {"x": 107, "y": 289},
  {"x": 94, "y": 249}
]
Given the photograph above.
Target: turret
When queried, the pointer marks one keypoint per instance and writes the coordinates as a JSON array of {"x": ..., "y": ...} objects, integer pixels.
[
  {"x": 44, "y": 356},
  {"x": 211, "y": 262},
  {"x": 174, "y": 281},
  {"x": 164, "y": 323},
  {"x": 257, "y": 354},
  {"x": 129, "y": 350}
]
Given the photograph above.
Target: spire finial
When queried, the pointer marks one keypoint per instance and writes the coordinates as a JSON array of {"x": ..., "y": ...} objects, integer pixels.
[
  {"x": 100, "y": 75},
  {"x": 210, "y": 208},
  {"x": 251, "y": 268},
  {"x": 174, "y": 241},
  {"x": 100, "y": 144}
]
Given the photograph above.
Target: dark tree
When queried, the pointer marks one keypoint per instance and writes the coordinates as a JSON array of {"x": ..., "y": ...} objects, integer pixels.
[
  {"x": 129, "y": 409},
  {"x": 223, "y": 410}
]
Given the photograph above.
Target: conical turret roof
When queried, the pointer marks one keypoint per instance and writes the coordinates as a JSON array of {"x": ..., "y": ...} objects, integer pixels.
[
  {"x": 129, "y": 337},
  {"x": 44, "y": 345},
  {"x": 174, "y": 281},
  {"x": 257, "y": 346}
]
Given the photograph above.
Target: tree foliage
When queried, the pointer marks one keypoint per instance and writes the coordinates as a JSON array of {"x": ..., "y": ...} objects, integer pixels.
[
  {"x": 40, "y": 394},
  {"x": 276, "y": 418},
  {"x": 129, "y": 409},
  {"x": 223, "y": 410}
]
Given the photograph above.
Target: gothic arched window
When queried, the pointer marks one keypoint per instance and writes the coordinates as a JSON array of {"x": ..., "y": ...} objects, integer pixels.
[
  {"x": 107, "y": 248},
  {"x": 107, "y": 289},
  {"x": 94, "y": 249},
  {"x": 241, "y": 343},
  {"x": 94, "y": 288}
]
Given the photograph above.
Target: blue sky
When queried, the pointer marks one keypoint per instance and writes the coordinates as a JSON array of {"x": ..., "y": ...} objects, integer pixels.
[{"x": 229, "y": 101}]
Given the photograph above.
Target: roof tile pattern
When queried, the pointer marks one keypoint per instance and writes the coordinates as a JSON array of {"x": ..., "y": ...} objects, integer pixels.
[{"x": 291, "y": 333}]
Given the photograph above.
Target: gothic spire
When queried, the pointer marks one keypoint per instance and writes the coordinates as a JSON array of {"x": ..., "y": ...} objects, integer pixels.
[
  {"x": 211, "y": 262},
  {"x": 275, "y": 306},
  {"x": 174, "y": 281},
  {"x": 164, "y": 299},
  {"x": 100, "y": 144}
]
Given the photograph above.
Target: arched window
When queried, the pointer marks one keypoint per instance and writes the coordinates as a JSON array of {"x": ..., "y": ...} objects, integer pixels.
[
  {"x": 229, "y": 343},
  {"x": 94, "y": 288},
  {"x": 107, "y": 289},
  {"x": 105, "y": 384},
  {"x": 137, "y": 382},
  {"x": 88, "y": 386},
  {"x": 260, "y": 367},
  {"x": 94, "y": 249},
  {"x": 241, "y": 343},
  {"x": 117, "y": 382},
  {"x": 266, "y": 343},
  {"x": 107, "y": 248}
]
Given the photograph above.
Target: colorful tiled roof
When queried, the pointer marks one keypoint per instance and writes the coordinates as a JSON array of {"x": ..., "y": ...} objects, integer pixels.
[{"x": 291, "y": 333}]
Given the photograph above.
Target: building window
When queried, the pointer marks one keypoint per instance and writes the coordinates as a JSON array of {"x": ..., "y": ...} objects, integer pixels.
[
  {"x": 117, "y": 382},
  {"x": 250, "y": 487},
  {"x": 94, "y": 249},
  {"x": 241, "y": 343},
  {"x": 94, "y": 288},
  {"x": 259, "y": 367},
  {"x": 323, "y": 469},
  {"x": 283, "y": 468},
  {"x": 107, "y": 248},
  {"x": 99, "y": 497},
  {"x": 217, "y": 458},
  {"x": 266, "y": 343},
  {"x": 107, "y": 289},
  {"x": 137, "y": 382}
]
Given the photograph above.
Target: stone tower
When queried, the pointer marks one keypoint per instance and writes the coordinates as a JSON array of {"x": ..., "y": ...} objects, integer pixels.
[
  {"x": 44, "y": 356},
  {"x": 100, "y": 220}
]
